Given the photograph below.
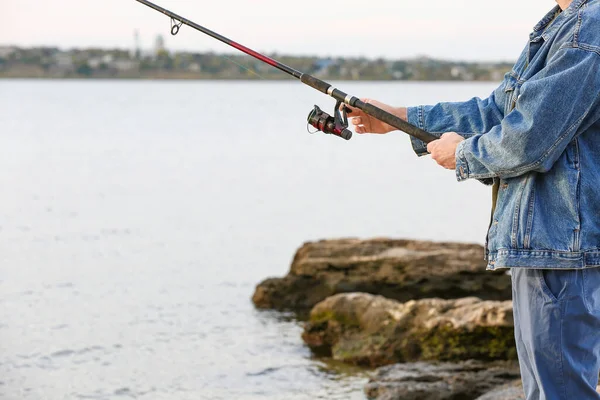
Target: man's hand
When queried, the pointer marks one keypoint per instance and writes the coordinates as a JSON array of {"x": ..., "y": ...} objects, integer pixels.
[
  {"x": 364, "y": 123},
  {"x": 443, "y": 150}
]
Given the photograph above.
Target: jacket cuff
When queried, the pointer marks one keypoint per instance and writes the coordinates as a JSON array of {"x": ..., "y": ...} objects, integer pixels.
[
  {"x": 416, "y": 117},
  {"x": 462, "y": 166}
]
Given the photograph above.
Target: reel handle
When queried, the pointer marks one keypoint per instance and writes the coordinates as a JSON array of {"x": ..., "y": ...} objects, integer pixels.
[{"x": 346, "y": 134}]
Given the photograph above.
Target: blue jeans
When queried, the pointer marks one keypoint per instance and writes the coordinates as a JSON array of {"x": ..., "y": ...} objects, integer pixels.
[{"x": 557, "y": 331}]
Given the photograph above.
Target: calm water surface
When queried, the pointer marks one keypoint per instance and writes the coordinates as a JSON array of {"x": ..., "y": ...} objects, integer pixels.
[{"x": 136, "y": 219}]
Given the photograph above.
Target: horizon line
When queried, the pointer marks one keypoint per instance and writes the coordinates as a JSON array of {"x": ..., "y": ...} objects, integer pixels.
[{"x": 277, "y": 53}]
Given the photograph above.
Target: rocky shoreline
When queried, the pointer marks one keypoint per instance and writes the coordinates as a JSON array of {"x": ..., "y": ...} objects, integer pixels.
[
  {"x": 446, "y": 381},
  {"x": 402, "y": 270},
  {"x": 428, "y": 317}
]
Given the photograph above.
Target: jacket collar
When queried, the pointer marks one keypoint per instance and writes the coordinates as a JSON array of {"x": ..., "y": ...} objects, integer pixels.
[{"x": 542, "y": 30}]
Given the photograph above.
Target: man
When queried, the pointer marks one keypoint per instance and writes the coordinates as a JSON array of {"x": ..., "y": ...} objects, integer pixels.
[{"x": 537, "y": 139}]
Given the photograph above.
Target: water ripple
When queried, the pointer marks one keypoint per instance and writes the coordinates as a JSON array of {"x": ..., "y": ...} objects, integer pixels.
[
  {"x": 62, "y": 353},
  {"x": 69, "y": 352}
]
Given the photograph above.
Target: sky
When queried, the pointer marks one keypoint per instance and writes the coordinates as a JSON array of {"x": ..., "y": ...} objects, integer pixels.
[{"x": 469, "y": 30}]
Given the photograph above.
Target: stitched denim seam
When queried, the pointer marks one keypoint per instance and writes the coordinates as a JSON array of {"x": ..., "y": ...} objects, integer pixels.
[
  {"x": 419, "y": 146},
  {"x": 578, "y": 25},
  {"x": 517, "y": 213},
  {"x": 582, "y": 260},
  {"x": 590, "y": 48},
  {"x": 570, "y": 255},
  {"x": 577, "y": 245},
  {"x": 529, "y": 224},
  {"x": 581, "y": 46},
  {"x": 482, "y": 176},
  {"x": 562, "y": 373},
  {"x": 421, "y": 114},
  {"x": 544, "y": 22}
]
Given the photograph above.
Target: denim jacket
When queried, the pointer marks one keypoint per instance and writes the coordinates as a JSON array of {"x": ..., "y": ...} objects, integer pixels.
[{"x": 537, "y": 138}]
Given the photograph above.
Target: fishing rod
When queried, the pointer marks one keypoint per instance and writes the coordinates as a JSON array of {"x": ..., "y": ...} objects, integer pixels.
[{"x": 336, "y": 124}]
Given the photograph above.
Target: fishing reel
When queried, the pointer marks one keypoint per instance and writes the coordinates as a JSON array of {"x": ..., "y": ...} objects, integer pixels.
[{"x": 336, "y": 125}]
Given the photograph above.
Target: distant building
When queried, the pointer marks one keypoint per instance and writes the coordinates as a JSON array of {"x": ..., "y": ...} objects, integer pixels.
[
  {"x": 95, "y": 62},
  {"x": 458, "y": 72},
  {"x": 63, "y": 60},
  {"x": 194, "y": 67},
  {"x": 62, "y": 64},
  {"x": 136, "y": 52},
  {"x": 125, "y": 65},
  {"x": 7, "y": 51},
  {"x": 159, "y": 45},
  {"x": 108, "y": 58},
  {"x": 321, "y": 66}
]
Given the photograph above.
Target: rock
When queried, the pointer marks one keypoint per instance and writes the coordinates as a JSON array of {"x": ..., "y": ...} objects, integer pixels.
[
  {"x": 370, "y": 330},
  {"x": 297, "y": 293},
  {"x": 397, "y": 269},
  {"x": 511, "y": 391},
  {"x": 442, "y": 381}
]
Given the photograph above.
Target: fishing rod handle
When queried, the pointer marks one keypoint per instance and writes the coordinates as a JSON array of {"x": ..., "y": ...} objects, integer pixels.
[
  {"x": 368, "y": 108},
  {"x": 395, "y": 121}
]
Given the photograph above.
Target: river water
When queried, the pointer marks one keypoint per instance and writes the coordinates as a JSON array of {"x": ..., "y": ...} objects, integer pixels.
[{"x": 136, "y": 219}]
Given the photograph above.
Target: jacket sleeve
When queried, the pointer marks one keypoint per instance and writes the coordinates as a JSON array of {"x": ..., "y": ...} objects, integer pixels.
[
  {"x": 552, "y": 105},
  {"x": 466, "y": 118}
]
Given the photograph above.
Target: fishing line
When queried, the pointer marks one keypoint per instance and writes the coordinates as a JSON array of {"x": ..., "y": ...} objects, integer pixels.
[{"x": 242, "y": 66}]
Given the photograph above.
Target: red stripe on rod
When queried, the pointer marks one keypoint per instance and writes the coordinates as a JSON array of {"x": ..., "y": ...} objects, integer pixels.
[{"x": 253, "y": 53}]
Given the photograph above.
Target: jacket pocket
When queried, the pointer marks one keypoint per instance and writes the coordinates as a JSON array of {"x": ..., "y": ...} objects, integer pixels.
[
  {"x": 509, "y": 92},
  {"x": 547, "y": 212},
  {"x": 522, "y": 221},
  {"x": 529, "y": 218}
]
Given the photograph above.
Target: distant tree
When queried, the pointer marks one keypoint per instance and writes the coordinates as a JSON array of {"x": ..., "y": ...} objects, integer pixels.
[
  {"x": 84, "y": 69},
  {"x": 164, "y": 60}
]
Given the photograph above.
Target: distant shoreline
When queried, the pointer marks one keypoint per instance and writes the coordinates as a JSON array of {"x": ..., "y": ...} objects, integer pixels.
[
  {"x": 146, "y": 79},
  {"x": 161, "y": 64}
]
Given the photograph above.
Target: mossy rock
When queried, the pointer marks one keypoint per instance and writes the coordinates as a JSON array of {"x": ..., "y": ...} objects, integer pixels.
[
  {"x": 368, "y": 330},
  {"x": 485, "y": 343}
]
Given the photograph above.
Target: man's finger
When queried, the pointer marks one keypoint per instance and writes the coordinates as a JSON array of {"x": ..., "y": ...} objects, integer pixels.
[
  {"x": 349, "y": 110},
  {"x": 357, "y": 120},
  {"x": 431, "y": 146}
]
